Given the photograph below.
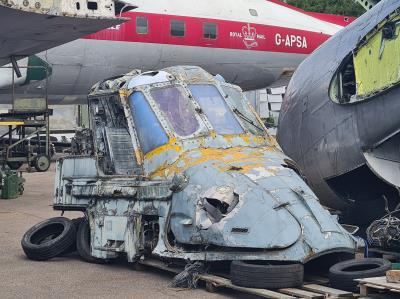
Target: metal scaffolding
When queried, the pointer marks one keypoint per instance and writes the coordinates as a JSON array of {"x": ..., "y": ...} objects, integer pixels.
[{"x": 27, "y": 139}]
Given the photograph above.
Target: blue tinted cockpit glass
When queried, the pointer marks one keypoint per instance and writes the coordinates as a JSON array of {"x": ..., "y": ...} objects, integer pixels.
[
  {"x": 176, "y": 106},
  {"x": 249, "y": 119},
  {"x": 216, "y": 109},
  {"x": 149, "y": 131}
]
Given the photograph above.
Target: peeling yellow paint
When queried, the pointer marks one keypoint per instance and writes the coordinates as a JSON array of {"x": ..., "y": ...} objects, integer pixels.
[
  {"x": 138, "y": 156},
  {"x": 246, "y": 138},
  {"x": 229, "y": 138},
  {"x": 213, "y": 134},
  {"x": 123, "y": 93},
  {"x": 166, "y": 147},
  {"x": 250, "y": 157}
]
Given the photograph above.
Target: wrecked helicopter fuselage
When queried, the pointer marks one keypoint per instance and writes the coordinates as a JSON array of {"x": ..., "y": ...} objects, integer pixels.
[
  {"x": 339, "y": 119},
  {"x": 177, "y": 164}
]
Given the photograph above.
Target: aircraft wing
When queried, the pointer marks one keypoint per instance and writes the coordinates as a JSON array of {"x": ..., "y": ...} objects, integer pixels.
[{"x": 29, "y": 27}]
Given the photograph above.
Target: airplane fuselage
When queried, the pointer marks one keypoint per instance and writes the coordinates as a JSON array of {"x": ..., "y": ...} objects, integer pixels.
[
  {"x": 345, "y": 138},
  {"x": 251, "y": 44}
]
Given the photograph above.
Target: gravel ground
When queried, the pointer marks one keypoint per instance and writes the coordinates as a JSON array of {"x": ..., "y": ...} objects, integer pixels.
[{"x": 69, "y": 277}]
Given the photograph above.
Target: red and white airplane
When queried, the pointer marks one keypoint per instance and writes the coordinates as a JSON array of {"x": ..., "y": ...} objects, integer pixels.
[{"x": 252, "y": 43}]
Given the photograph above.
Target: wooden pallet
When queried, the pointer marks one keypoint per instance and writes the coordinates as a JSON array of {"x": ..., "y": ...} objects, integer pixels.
[
  {"x": 377, "y": 285},
  {"x": 213, "y": 282}
]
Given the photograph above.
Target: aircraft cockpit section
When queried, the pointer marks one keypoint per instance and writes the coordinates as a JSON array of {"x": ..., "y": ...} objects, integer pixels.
[
  {"x": 182, "y": 152},
  {"x": 167, "y": 110},
  {"x": 162, "y": 111},
  {"x": 183, "y": 110}
]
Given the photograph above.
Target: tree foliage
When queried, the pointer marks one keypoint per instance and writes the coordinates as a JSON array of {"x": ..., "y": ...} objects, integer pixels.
[{"x": 338, "y": 7}]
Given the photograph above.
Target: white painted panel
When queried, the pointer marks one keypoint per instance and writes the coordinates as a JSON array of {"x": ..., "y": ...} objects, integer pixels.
[
  {"x": 275, "y": 98},
  {"x": 264, "y": 111},
  {"x": 277, "y": 90},
  {"x": 275, "y": 106}
]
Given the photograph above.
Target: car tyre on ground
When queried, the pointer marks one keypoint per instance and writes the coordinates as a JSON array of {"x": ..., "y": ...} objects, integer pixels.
[
  {"x": 76, "y": 222},
  {"x": 342, "y": 275},
  {"x": 48, "y": 239},
  {"x": 83, "y": 244},
  {"x": 266, "y": 276}
]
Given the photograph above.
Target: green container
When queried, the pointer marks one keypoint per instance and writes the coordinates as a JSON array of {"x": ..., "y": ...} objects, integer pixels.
[
  {"x": 11, "y": 185},
  {"x": 395, "y": 266}
]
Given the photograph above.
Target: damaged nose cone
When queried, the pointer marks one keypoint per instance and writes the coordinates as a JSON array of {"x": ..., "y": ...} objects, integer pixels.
[{"x": 255, "y": 207}]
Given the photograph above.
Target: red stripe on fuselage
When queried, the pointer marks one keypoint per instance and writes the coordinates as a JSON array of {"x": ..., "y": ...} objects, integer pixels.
[{"x": 231, "y": 35}]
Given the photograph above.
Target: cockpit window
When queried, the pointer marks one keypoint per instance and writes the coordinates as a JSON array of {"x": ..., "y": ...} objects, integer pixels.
[
  {"x": 216, "y": 109},
  {"x": 242, "y": 110},
  {"x": 343, "y": 86},
  {"x": 149, "y": 131},
  {"x": 176, "y": 106}
]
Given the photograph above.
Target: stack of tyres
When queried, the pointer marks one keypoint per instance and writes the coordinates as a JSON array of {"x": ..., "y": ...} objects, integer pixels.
[{"x": 57, "y": 237}]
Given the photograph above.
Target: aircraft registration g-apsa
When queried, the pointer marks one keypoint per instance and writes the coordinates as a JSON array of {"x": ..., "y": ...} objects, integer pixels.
[
  {"x": 340, "y": 116},
  {"x": 250, "y": 43}
]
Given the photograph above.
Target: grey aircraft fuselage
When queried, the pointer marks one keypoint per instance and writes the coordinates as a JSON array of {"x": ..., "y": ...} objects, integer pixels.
[
  {"x": 250, "y": 51},
  {"x": 348, "y": 146},
  {"x": 77, "y": 65}
]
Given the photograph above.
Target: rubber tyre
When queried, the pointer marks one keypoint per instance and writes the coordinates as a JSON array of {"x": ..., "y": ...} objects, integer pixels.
[
  {"x": 342, "y": 275},
  {"x": 42, "y": 163},
  {"x": 59, "y": 232},
  {"x": 83, "y": 244},
  {"x": 76, "y": 222},
  {"x": 263, "y": 276}
]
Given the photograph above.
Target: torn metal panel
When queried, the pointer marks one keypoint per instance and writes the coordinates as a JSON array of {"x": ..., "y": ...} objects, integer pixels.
[{"x": 29, "y": 27}]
